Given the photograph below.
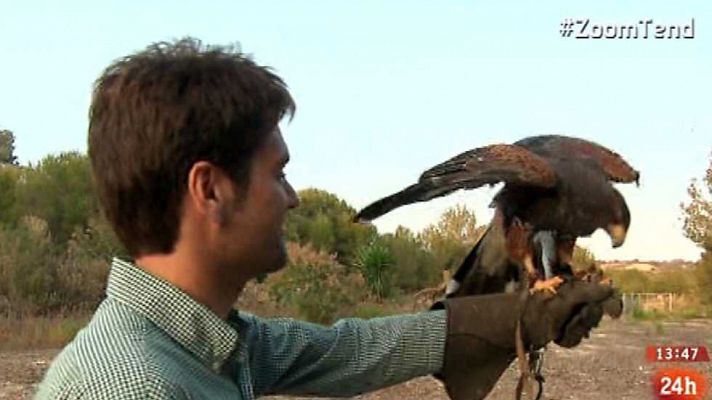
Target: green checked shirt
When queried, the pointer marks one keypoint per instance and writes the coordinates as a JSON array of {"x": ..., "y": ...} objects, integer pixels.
[{"x": 148, "y": 339}]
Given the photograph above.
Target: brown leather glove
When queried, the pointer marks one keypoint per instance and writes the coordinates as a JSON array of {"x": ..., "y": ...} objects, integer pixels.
[
  {"x": 480, "y": 342},
  {"x": 613, "y": 307}
]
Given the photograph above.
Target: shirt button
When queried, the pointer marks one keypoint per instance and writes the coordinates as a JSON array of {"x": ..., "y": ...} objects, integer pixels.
[{"x": 216, "y": 366}]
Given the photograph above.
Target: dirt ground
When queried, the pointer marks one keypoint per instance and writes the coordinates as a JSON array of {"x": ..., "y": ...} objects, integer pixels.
[{"x": 609, "y": 365}]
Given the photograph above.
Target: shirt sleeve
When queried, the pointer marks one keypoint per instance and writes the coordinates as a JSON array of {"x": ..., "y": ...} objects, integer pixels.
[{"x": 352, "y": 356}]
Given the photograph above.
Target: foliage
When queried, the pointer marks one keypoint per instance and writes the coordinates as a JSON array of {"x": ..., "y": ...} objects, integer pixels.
[
  {"x": 368, "y": 311},
  {"x": 630, "y": 281},
  {"x": 326, "y": 222},
  {"x": 674, "y": 281},
  {"x": 37, "y": 277},
  {"x": 414, "y": 267},
  {"x": 698, "y": 213},
  {"x": 85, "y": 265},
  {"x": 28, "y": 268},
  {"x": 657, "y": 315},
  {"x": 703, "y": 275},
  {"x": 9, "y": 181},
  {"x": 698, "y": 227},
  {"x": 7, "y": 147},
  {"x": 56, "y": 247},
  {"x": 59, "y": 190},
  {"x": 452, "y": 237},
  {"x": 374, "y": 262},
  {"x": 583, "y": 259},
  {"x": 319, "y": 289}
]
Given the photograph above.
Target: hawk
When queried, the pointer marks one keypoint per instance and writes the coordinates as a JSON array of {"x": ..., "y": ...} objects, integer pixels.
[{"x": 556, "y": 189}]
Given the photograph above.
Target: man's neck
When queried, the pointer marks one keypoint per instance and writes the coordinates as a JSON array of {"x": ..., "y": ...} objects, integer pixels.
[{"x": 206, "y": 283}]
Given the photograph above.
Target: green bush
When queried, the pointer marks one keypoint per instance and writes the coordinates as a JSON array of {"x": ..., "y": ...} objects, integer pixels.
[
  {"x": 9, "y": 180},
  {"x": 60, "y": 190},
  {"x": 28, "y": 268},
  {"x": 374, "y": 262},
  {"x": 414, "y": 268},
  {"x": 315, "y": 286},
  {"x": 39, "y": 277},
  {"x": 326, "y": 223}
]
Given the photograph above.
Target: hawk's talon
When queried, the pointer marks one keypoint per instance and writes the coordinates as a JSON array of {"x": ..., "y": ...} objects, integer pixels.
[{"x": 547, "y": 286}]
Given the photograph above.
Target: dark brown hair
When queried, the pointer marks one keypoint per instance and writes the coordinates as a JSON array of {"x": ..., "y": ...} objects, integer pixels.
[{"x": 157, "y": 112}]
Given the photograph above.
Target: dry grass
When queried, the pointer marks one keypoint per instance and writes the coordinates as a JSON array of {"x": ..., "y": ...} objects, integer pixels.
[{"x": 39, "y": 332}]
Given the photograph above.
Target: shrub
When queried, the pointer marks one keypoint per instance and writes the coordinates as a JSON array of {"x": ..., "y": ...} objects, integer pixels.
[
  {"x": 374, "y": 262},
  {"x": 414, "y": 268},
  {"x": 315, "y": 285},
  {"x": 28, "y": 268}
]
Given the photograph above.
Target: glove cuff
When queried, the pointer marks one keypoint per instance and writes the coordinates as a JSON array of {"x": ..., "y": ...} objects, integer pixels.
[
  {"x": 477, "y": 352},
  {"x": 495, "y": 317}
]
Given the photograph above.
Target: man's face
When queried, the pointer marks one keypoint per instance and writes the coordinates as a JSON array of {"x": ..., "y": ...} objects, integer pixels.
[{"x": 254, "y": 233}]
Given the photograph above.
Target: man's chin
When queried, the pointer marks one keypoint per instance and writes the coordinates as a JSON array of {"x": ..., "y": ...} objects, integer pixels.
[{"x": 279, "y": 263}]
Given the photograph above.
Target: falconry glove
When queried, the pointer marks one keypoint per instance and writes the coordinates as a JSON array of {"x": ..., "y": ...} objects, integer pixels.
[{"x": 480, "y": 342}]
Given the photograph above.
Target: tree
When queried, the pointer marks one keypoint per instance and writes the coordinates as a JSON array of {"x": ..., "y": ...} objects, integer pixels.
[
  {"x": 60, "y": 190},
  {"x": 698, "y": 213},
  {"x": 7, "y": 147},
  {"x": 326, "y": 222},
  {"x": 703, "y": 276},
  {"x": 698, "y": 227},
  {"x": 9, "y": 181},
  {"x": 452, "y": 237}
]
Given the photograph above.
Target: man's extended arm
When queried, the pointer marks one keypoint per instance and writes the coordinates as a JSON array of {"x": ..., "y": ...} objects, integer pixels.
[
  {"x": 469, "y": 347},
  {"x": 351, "y": 357}
]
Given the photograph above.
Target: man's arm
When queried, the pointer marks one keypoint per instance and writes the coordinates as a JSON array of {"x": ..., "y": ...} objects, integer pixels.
[
  {"x": 351, "y": 357},
  {"x": 469, "y": 347}
]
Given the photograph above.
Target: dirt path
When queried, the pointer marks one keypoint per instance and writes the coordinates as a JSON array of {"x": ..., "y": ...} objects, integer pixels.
[{"x": 610, "y": 365}]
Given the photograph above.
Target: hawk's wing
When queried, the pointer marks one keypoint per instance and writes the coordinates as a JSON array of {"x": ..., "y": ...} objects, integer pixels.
[
  {"x": 472, "y": 169},
  {"x": 612, "y": 164}
]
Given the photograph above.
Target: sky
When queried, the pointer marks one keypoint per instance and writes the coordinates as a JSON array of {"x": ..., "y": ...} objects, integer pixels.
[{"x": 385, "y": 90}]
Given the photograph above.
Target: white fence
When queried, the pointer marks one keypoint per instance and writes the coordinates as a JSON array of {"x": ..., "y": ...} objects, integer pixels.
[{"x": 648, "y": 301}]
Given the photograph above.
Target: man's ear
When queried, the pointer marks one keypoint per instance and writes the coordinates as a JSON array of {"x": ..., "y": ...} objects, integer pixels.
[{"x": 210, "y": 191}]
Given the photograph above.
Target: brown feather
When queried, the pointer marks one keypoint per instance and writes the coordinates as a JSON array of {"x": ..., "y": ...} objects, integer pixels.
[
  {"x": 493, "y": 164},
  {"x": 613, "y": 165}
]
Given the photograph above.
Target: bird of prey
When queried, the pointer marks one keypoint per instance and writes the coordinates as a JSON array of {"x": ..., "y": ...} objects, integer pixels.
[{"x": 556, "y": 189}]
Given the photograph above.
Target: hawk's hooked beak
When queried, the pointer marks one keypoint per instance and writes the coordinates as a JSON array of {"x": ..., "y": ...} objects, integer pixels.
[{"x": 617, "y": 232}]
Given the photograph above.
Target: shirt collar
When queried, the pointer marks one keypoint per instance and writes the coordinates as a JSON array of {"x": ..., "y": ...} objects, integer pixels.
[{"x": 190, "y": 323}]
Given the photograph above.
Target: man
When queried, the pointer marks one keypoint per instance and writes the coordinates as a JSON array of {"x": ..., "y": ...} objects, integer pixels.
[{"x": 188, "y": 163}]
